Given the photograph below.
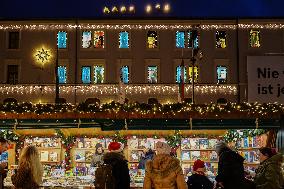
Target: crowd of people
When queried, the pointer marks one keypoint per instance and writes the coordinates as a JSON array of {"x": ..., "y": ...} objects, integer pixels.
[{"x": 162, "y": 169}]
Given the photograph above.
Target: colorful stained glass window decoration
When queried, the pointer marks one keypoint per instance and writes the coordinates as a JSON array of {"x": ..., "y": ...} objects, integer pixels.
[
  {"x": 99, "y": 74},
  {"x": 193, "y": 39},
  {"x": 87, "y": 39},
  {"x": 196, "y": 74},
  {"x": 124, "y": 74},
  {"x": 62, "y": 74},
  {"x": 152, "y": 39},
  {"x": 62, "y": 40},
  {"x": 221, "y": 39},
  {"x": 222, "y": 73},
  {"x": 180, "y": 39},
  {"x": 86, "y": 74},
  {"x": 124, "y": 40},
  {"x": 178, "y": 74},
  {"x": 254, "y": 36},
  {"x": 99, "y": 39},
  {"x": 152, "y": 74}
]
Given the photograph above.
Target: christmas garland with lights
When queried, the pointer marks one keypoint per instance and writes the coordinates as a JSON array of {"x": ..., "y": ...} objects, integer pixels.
[
  {"x": 233, "y": 135},
  {"x": 249, "y": 109},
  {"x": 67, "y": 142}
]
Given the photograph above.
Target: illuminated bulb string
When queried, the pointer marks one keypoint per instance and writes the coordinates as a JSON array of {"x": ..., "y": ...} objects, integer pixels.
[
  {"x": 110, "y": 89},
  {"x": 137, "y": 26}
]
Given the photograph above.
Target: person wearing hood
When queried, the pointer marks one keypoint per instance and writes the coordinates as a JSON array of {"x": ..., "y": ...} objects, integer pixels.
[
  {"x": 119, "y": 165},
  {"x": 148, "y": 155},
  {"x": 269, "y": 174},
  {"x": 164, "y": 171},
  {"x": 98, "y": 156},
  {"x": 198, "y": 179},
  {"x": 230, "y": 168}
]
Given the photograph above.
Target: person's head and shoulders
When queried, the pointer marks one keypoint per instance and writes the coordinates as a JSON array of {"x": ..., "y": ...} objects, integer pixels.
[
  {"x": 97, "y": 158},
  {"x": 30, "y": 172},
  {"x": 198, "y": 178},
  {"x": 114, "y": 154},
  {"x": 163, "y": 161},
  {"x": 226, "y": 153}
]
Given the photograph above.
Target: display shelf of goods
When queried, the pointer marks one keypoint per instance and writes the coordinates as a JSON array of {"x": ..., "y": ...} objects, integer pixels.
[
  {"x": 199, "y": 148},
  {"x": 137, "y": 146},
  {"x": 248, "y": 148},
  {"x": 49, "y": 148},
  {"x": 85, "y": 149}
]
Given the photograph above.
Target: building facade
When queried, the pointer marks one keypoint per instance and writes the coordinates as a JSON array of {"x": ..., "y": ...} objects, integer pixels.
[{"x": 135, "y": 59}]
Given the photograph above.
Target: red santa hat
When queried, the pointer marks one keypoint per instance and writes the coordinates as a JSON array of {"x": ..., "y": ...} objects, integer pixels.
[
  {"x": 198, "y": 164},
  {"x": 115, "y": 147}
]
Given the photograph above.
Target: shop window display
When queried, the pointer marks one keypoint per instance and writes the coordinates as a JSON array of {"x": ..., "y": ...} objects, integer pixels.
[{"x": 152, "y": 74}]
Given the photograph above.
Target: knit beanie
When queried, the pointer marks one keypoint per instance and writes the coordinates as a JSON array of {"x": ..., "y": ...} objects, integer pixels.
[
  {"x": 163, "y": 148},
  {"x": 198, "y": 164},
  {"x": 115, "y": 147}
]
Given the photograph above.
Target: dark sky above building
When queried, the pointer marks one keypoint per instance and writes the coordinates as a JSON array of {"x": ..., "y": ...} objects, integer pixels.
[{"x": 183, "y": 9}]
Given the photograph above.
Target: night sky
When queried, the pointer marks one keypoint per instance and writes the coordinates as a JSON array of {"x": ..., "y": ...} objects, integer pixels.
[{"x": 183, "y": 9}]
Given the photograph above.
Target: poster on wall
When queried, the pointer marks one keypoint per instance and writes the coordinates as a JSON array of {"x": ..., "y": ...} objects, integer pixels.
[{"x": 265, "y": 79}]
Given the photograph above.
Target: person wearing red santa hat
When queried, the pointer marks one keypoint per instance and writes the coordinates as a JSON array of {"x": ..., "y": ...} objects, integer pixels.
[
  {"x": 198, "y": 180},
  {"x": 119, "y": 165}
]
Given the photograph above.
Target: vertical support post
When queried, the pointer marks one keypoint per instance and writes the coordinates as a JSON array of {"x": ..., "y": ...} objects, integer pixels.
[
  {"x": 280, "y": 136},
  {"x": 56, "y": 78}
]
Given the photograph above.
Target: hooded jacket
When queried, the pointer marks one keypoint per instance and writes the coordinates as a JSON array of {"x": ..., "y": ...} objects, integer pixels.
[
  {"x": 230, "y": 169},
  {"x": 120, "y": 169},
  {"x": 269, "y": 174},
  {"x": 164, "y": 172}
]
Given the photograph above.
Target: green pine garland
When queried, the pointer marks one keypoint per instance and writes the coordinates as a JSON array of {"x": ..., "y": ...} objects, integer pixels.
[{"x": 233, "y": 135}]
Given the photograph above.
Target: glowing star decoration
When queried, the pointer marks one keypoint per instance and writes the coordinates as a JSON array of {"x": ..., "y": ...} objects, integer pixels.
[
  {"x": 148, "y": 8},
  {"x": 42, "y": 56},
  {"x": 131, "y": 9},
  {"x": 106, "y": 10},
  {"x": 123, "y": 9},
  {"x": 114, "y": 9},
  {"x": 158, "y": 6},
  {"x": 167, "y": 8}
]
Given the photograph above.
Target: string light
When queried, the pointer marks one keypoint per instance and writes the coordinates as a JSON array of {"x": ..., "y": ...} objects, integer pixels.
[
  {"x": 111, "y": 89},
  {"x": 136, "y": 26}
]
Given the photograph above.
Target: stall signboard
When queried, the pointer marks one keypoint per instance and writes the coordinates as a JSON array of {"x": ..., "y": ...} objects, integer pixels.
[{"x": 265, "y": 79}]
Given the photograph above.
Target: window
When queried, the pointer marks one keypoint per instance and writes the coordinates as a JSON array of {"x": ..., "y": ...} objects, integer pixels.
[
  {"x": 87, "y": 39},
  {"x": 193, "y": 39},
  {"x": 12, "y": 74},
  {"x": 222, "y": 74},
  {"x": 99, "y": 39},
  {"x": 152, "y": 74},
  {"x": 196, "y": 75},
  {"x": 124, "y": 40},
  {"x": 14, "y": 40},
  {"x": 178, "y": 74},
  {"x": 180, "y": 39},
  {"x": 99, "y": 74},
  {"x": 254, "y": 38},
  {"x": 124, "y": 74},
  {"x": 86, "y": 74},
  {"x": 62, "y": 76},
  {"x": 62, "y": 40},
  {"x": 221, "y": 42},
  {"x": 152, "y": 39}
]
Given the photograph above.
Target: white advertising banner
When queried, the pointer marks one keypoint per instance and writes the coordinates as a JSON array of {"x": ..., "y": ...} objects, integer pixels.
[{"x": 265, "y": 79}]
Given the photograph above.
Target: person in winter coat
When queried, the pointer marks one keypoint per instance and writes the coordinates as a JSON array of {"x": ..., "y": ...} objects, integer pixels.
[
  {"x": 149, "y": 155},
  {"x": 29, "y": 173},
  {"x": 230, "y": 168},
  {"x": 98, "y": 156},
  {"x": 198, "y": 180},
  {"x": 3, "y": 173},
  {"x": 269, "y": 174},
  {"x": 120, "y": 170},
  {"x": 164, "y": 171}
]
